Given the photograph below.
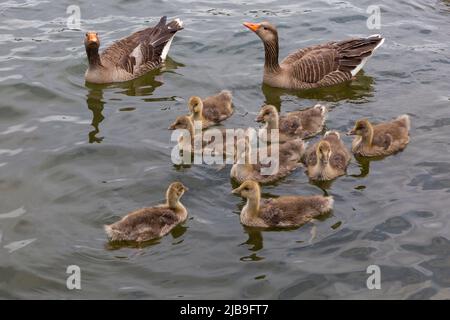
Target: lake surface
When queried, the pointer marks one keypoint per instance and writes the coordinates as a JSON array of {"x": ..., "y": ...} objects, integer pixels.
[{"x": 74, "y": 157}]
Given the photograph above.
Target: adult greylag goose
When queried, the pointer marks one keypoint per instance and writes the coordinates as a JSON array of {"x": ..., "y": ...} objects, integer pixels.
[
  {"x": 211, "y": 110},
  {"x": 382, "y": 139},
  {"x": 316, "y": 66},
  {"x": 289, "y": 156},
  {"x": 328, "y": 158},
  {"x": 130, "y": 57},
  {"x": 297, "y": 124},
  {"x": 282, "y": 212},
  {"x": 151, "y": 223}
]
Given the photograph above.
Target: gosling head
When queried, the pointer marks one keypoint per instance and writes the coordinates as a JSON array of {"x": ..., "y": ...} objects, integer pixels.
[
  {"x": 265, "y": 30},
  {"x": 248, "y": 189},
  {"x": 181, "y": 122},
  {"x": 195, "y": 105},
  {"x": 267, "y": 114},
  {"x": 324, "y": 152},
  {"x": 175, "y": 191},
  {"x": 91, "y": 41},
  {"x": 362, "y": 128}
]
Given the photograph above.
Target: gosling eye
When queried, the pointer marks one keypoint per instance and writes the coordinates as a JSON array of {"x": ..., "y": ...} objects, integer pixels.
[
  {"x": 265, "y": 28},
  {"x": 86, "y": 34}
]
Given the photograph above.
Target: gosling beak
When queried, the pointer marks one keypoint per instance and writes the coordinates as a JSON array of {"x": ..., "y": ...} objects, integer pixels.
[
  {"x": 185, "y": 188},
  {"x": 236, "y": 191},
  {"x": 171, "y": 127},
  {"x": 252, "y": 26},
  {"x": 351, "y": 132},
  {"x": 259, "y": 119}
]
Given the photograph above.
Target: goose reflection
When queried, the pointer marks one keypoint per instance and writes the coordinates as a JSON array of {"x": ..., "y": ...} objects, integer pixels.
[
  {"x": 255, "y": 242},
  {"x": 364, "y": 165},
  {"x": 324, "y": 185},
  {"x": 255, "y": 239},
  {"x": 176, "y": 234},
  {"x": 357, "y": 90},
  {"x": 96, "y": 104},
  {"x": 143, "y": 86}
]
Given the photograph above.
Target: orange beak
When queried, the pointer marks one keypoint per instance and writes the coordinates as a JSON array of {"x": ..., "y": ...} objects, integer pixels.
[
  {"x": 92, "y": 37},
  {"x": 252, "y": 26}
]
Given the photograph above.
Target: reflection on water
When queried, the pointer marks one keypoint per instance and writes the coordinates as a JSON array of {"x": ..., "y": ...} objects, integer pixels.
[
  {"x": 95, "y": 103},
  {"x": 255, "y": 238},
  {"x": 117, "y": 245},
  {"x": 357, "y": 90},
  {"x": 324, "y": 185},
  {"x": 142, "y": 86},
  {"x": 399, "y": 221},
  {"x": 364, "y": 165},
  {"x": 176, "y": 234},
  {"x": 178, "y": 231}
]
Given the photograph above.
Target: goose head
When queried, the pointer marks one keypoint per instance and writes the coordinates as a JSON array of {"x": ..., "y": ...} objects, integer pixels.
[
  {"x": 324, "y": 152},
  {"x": 267, "y": 114},
  {"x": 181, "y": 122},
  {"x": 91, "y": 40},
  {"x": 248, "y": 189},
  {"x": 174, "y": 193},
  {"x": 362, "y": 128},
  {"x": 265, "y": 30},
  {"x": 195, "y": 105}
]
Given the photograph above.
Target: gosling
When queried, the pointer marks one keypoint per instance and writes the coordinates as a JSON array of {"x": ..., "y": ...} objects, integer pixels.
[
  {"x": 151, "y": 223},
  {"x": 327, "y": 159},
  {"x": 381, "y": 139},
  {"x": 282, "y": 212},
  {"x": 297, "y": 124},
  {"x": 212, "y": 110}
]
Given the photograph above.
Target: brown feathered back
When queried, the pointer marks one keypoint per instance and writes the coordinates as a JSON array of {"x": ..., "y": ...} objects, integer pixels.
[
  {"x": 304, "y": 123},
  {"x": 143, "y": 224},
  {"x": 331, "y": 63},
  {"x": 289, "y": 211},
  {"x": 219, "y": 107}
]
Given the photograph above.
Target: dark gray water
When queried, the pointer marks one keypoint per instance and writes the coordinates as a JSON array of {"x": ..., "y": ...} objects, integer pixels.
[{"x": 74, "y": 157}]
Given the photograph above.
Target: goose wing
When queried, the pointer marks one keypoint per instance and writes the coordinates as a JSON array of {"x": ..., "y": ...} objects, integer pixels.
[
  {"x": 217, "y": 108},
  {"x": 333, "y": 62},
  {"x": 292, "y": 210},
  {"x": 143, "y": 49},
  {"x": 312, "y": 64},
  {"x": 340, "y": 155},
  {"x": 310, "y": 157},
  {"x": 289, "y": 124},
  {"x": 383, "y": 140},
  {"x": 210, "y": 112},
  {"x": 145, "y": 223}
]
